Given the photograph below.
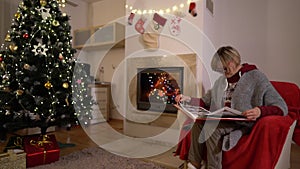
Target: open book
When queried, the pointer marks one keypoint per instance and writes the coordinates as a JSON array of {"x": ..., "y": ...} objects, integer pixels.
[{"x": 197, "y": 112}]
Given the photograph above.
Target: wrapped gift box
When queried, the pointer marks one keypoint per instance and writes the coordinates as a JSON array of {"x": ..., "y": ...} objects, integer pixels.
[
  {"x": 13, "y": 160},
  {"x": 40, "y": 149},
  {"x": 14, "y": 142}
]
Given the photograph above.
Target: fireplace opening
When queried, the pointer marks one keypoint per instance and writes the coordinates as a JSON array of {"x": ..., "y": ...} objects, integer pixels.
[{"x": 158, "y": 87}]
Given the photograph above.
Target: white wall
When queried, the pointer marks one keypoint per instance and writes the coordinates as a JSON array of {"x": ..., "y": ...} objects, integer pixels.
[
  {"x": 7, "y": 10},
  {"x": 264, "y": 31}
]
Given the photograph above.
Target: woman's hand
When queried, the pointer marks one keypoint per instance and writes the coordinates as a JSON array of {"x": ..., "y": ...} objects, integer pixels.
[
  {"x": 252, "y": 114},
  {"x": 182, "y": 98}
]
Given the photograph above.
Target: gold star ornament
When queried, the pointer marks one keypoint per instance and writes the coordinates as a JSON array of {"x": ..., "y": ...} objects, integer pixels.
[{"x": 48, "y": 85}]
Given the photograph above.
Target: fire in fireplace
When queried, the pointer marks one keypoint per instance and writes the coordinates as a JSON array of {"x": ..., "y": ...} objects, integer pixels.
[{"x": 158, "y": 87}]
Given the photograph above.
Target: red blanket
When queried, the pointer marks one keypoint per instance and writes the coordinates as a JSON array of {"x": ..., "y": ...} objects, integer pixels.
[{"x": 260, "y": 149}]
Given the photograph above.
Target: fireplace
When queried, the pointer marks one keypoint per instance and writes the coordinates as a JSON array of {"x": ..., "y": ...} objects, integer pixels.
[{"x": 158, "y": 87}]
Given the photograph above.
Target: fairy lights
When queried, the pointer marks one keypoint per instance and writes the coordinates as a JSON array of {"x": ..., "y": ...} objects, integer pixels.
[{"x": 168, "y": 10}]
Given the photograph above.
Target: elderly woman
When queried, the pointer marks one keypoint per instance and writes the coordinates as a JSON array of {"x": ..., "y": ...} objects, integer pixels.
[{"x": 242, "y": 87}]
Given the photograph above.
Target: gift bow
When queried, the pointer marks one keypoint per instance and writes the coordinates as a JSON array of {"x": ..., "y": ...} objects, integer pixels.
[{"x": 40, "y": 143}]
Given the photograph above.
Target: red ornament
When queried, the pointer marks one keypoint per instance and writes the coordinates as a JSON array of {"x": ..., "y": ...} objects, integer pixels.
[
  {"x": 25, "y": 35},
  {"x": 60, "y": 57},
  {"x": 1, "y": 59}
]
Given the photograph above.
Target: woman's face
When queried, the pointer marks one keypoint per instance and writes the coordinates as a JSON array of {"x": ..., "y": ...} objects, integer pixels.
[{"x": 230, "y": 68}]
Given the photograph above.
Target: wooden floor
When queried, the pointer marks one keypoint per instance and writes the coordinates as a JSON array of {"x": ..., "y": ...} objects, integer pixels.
[{"x": 78, "y": 137}]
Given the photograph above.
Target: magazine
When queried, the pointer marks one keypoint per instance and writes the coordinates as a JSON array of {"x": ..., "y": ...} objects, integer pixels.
[{"x": 197, "y": 112}]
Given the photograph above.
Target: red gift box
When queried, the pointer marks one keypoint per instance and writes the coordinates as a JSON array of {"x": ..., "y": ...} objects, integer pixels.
[{"x": 40, "y": 149}]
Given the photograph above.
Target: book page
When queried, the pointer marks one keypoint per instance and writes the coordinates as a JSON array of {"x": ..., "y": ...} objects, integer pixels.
[
  {"x": 200, "y": 113},
  {"x": 226, "y": 111}
]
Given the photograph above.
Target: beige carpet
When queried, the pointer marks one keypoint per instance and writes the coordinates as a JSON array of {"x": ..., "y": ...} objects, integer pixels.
[{"x": 92, "y": 158}]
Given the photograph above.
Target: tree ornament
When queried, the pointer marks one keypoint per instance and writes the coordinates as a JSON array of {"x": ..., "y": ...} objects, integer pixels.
[
  {"x": 43, "y": 2},
  {"x": 1, "y": 59},
  {"x": 39, "y": 49},
  {"x": 78, "y": 81},
  {"x": 55, "y": 23},
  {"x": 48, "y": 85},
  {"x": 13, "y": 47},
  {"x": 7, "y": 113},
  {"x": 45, "y": 12},
  {"x": 60, "y": 57},
  {"x": 2, "y": 66},
  {"x": 17, "y": 15},
  {"x": 67, "y": 101},
  {"x": 26, "y": 66},
  {"x": 5, "y": 77},
  {"x": 19, "y": 92},
  {"x": 65, "y": 85},
  {"x": 25, "y": 35},
  {"x": 7, "y": 38}
]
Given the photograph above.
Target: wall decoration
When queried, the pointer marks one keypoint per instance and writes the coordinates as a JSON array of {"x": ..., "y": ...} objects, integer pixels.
[
  {"x": 152, "y": 32},
  {"x": 192, "y": 9}
]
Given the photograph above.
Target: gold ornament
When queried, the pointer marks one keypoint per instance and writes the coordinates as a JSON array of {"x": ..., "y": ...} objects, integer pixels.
[
  {"x": 65, "y": 85},
  {"x": 48, "y": 85},
  {"x": 20, "y": 92},
  {"x": 43, "y": 2},
  {"x": 7, "y": 38},
  {"x": 13, "y": 47},
  {"x": 17, "y": 15},
  {"x": 26, "y": 66},
  {"x": 55, "y": 23},
  {"x": 2, "y": 66},
  {"x": 67, "y": 101}
]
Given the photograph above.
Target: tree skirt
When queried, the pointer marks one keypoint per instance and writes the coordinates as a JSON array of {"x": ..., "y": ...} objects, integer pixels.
[{"x": 92, "y": 158}]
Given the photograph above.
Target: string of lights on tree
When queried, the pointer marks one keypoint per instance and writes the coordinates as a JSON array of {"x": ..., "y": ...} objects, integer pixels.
[{"x": 38, "y": 65}]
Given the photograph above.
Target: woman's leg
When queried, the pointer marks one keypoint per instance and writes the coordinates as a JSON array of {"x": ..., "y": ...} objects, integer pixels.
[
  {"x": 214, "y": 132},
  {"x": 196, "y": 152}
]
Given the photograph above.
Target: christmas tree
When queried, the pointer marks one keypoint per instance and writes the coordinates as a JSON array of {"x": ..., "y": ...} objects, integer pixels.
[{"x": 41, "y": 83}]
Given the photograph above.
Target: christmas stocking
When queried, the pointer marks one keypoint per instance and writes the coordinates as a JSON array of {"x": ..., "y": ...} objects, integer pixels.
[
  {"x": 139, "y": 26},
  {"x": 192, "y": 9},
  {"x": 153, "y": 30},
  {"x": 130, "y": 18},
  {"x": 174, "y": 26}
]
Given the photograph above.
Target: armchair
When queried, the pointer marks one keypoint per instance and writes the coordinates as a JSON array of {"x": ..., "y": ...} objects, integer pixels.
[{"x": 269, "y": 143}]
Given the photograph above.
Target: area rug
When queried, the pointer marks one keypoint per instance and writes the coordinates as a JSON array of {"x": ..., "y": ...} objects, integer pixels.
[{"x": 97, "y": 157}]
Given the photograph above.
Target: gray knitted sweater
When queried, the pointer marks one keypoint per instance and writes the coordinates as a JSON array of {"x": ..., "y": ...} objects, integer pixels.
[{"x": 253, "y": 89}]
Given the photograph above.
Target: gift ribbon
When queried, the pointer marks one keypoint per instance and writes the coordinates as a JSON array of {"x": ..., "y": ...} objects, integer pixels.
[{"x": 40, "y": 144}]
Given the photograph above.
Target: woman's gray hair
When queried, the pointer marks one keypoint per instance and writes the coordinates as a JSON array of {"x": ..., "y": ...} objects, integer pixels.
[{"x": 224, "y": 55}]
